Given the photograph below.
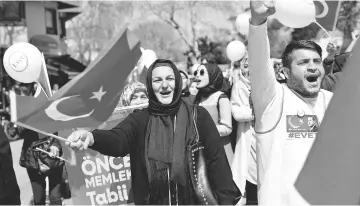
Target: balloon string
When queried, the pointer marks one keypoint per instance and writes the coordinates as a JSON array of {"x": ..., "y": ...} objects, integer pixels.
[
  {"x": 327, "y": 33},
  {"x": 231, "y": 72}
]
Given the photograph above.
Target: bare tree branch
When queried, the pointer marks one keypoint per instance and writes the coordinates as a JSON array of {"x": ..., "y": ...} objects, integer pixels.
[
  {"x": 172, "y": 22},
  {"x": 193, "y": 24}
]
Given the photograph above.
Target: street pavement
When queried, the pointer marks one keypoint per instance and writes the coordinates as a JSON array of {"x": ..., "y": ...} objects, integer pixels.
[{"x": 21, "y": 174}]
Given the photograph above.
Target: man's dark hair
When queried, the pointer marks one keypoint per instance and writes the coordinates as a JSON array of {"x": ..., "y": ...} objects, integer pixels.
[{"x": 296, "y": 45}]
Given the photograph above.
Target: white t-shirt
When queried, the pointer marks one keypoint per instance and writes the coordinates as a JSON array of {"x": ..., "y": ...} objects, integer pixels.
[{"x": 283, "y": 121}]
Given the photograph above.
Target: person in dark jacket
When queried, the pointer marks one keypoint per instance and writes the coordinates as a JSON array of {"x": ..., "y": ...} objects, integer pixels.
[
  {"x": 158, "y": 138},
  {"x": 37, "y": 179},
  {"x": 334, "y": 64},
  {"x": 9, "y": 188}
]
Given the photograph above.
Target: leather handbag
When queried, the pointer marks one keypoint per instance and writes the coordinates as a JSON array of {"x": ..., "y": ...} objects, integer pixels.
[
  {"x": 38, "y": 161},
  {"x": 46, "y": 163},
  {"x": 198, "y": 172}
]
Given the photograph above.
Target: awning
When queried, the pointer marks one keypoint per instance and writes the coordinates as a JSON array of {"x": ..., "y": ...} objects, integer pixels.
[
  {"x": 52, "y": 70},
  {"x": 67, "y": 4},
  {"x": 66, "y": 63},
  {"x": 70, "y": 13}
]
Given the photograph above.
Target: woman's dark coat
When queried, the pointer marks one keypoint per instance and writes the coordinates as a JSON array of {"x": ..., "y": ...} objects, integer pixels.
[{"x": 129, "y": 137}]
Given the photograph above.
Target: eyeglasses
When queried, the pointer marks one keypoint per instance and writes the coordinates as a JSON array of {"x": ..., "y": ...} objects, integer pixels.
[{"x": 202, "y": 72}]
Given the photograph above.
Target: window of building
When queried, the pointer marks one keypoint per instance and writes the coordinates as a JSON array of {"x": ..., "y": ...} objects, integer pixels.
[
  {"x": 50, "y": 18},
  {"x": 62, "y": 27},
  {"x": 12, "y": 10}
]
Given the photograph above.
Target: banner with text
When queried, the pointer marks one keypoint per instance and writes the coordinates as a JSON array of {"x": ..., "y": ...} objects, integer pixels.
[{"x": 97, "y": 179}]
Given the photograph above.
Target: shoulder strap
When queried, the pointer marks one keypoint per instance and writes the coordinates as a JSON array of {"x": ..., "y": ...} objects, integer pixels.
[
  {"x": 195, "y": 125},
  {"x": 279, "y": 118},
  {"x": 222, "y": 95}
]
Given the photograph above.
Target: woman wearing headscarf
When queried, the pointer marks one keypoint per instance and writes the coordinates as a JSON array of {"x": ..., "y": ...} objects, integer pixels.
[
  {"x": 134, "y": 93},
  {"x": 40, "y": 166},
  {"x": 157, "y": 139},
  {"x": 244, "y": 162},
  {"x": 210, "y": 81}
]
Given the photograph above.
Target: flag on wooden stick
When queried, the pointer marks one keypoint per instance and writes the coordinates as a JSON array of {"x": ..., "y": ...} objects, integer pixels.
[
  {"x": 87, "y": 100},
  {"x": 327, "y": 13}
]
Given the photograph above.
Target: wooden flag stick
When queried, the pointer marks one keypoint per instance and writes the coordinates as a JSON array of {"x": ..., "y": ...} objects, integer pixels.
[
  {"x": 13, "y": 107},
  {"x": 43, "y": 80},
  {"x": 139, "y": 106},
  {"x": 60, "y": 158},
  {"x": 336, "y": 18},
  {"x": 43, "y": 132}
]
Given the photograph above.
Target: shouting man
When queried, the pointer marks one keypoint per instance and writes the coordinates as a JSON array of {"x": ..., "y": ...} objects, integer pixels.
[{"x": 281, "y": 110}]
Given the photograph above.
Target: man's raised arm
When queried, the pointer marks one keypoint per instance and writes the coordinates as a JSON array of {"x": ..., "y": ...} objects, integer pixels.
[{"x": 263, "y": 81}]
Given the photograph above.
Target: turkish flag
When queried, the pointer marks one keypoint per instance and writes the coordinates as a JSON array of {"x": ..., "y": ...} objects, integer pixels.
[
  {"x": 327, "y": 13},
  {"x": 43, "y": 80},
  {"x": 331, "y": 173},
  {"x": 89, "y": 99}
]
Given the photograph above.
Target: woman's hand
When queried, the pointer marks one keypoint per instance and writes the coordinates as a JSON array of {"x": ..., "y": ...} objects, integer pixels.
[
  {"x": 80, "y": 140},
  {"x": 54, "y": 151}
]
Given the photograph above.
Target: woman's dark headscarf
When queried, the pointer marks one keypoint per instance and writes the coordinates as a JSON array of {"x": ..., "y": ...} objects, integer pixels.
[
  {"x": 216, "y": 81},
  {"x": 155, "y": 107},
  {"x": 165, "y": 148}
]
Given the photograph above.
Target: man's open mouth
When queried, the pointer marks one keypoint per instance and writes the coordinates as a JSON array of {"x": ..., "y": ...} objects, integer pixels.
[{"x": 312, "y": 78}]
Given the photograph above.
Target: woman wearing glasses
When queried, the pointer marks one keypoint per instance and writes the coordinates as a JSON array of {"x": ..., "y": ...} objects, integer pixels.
[{"x": 210, "y": 80}]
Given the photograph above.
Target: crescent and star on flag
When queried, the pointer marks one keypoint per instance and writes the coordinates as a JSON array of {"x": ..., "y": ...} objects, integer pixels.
[{"x": 53, "y": 113}]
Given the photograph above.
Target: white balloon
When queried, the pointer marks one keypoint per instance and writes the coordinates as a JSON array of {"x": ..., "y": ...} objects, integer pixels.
[
  {"x": 147, "y": 58},
  {"x": 235, "y": 50},
  {"x": 295, "y": 13},
  {"x": 242, "y": 23},
  {"x": 23, "y": 62}
]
